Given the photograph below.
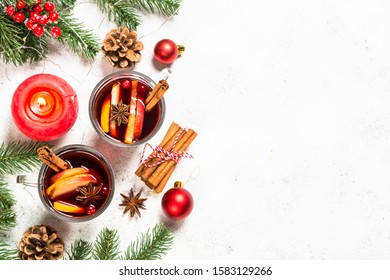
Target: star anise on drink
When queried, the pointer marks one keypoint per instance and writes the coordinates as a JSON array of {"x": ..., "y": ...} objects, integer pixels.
[
  {"x": 89, "y": 194},
  {"x": 120, "y": 113},
  {"x": 133, "y": 203}
]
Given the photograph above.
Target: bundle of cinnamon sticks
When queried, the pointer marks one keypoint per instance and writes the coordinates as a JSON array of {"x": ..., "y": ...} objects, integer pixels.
[{"x": 154, "y": 171}]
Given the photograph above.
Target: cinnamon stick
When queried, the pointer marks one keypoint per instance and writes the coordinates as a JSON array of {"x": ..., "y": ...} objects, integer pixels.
[
  {"x": 156, "y": 94},
  {"x": 164, "y": 168},
  {"x": 47, "y": 156},
  {"x": 159, "y": 188},
  {"x": 170, "y": 134}
]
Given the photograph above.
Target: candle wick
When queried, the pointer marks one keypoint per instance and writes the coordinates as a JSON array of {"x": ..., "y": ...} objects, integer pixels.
[{"x": 41, "y": 102}]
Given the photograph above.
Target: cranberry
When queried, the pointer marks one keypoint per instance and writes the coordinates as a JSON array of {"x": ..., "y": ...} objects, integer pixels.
[
  {"x": 38, "y": 30},
  {"x": 30, "y": 24},
  {"x": 49, "y": 6},
  {"x": 91, "y": 209},
  {"x": 56, "y": 32},
  {"x": 126, "y": 84},
  {"x": 20, "y": 4},
  {"x": 34, "y": 16},
  {"x": 37, "y": 8},
  {"x": 18, "y": 17},
  {"x": 105, "y": 190},
  {"x": 43, "y": 20},
  {"x": 10, "y": 10},
  {"x": 142, "y": 88},
  {"x": 53, "y": 16}
]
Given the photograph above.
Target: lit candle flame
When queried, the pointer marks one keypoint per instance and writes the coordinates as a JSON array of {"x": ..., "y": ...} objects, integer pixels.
[{"x": 41, "y": 102}]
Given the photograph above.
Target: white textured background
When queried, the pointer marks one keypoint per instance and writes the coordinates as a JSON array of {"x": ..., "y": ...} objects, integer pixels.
[{"x": 291, "y": 100}]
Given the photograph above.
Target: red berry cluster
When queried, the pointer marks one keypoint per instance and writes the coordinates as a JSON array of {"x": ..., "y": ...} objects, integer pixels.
[{"x": 36, "y": 17}]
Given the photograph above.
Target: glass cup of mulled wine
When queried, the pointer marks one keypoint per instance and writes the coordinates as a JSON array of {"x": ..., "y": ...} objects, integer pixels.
[
  {"x": 117, "y": 109},
  {"x": 81, "y": 192}
]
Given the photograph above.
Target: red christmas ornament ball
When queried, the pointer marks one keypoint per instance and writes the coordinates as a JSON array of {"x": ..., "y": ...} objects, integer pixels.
[
  {"x": 177, "y": 203},
  {"x": 166, "y": 51}
]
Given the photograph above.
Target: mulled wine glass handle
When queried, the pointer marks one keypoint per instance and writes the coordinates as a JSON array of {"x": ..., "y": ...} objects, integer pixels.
[
  {"x": 165, "y": 73},
  {"x": 26, "y": 180}
]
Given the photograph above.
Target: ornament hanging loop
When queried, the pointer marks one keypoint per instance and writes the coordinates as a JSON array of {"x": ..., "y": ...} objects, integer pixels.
[{"x": 165, "y": 73}]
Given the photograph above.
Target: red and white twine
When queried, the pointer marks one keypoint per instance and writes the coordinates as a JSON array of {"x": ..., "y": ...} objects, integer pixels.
[{"x": 164, "y": 155}]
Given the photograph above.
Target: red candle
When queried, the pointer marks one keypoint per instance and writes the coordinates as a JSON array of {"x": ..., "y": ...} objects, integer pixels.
[{"x": 44, "y": 107}]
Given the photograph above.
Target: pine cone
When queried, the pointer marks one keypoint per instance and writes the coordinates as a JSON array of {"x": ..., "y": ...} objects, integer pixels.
[
  {"x": 41, "y": 242},
  {"x": 122, "y": 48}
]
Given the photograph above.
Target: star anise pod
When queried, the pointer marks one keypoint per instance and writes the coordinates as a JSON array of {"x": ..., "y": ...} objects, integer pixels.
[
  {"x": 133, "y": 203},
  {"x": 89, "y": 194},
  {"x": 120, "y": 113}
]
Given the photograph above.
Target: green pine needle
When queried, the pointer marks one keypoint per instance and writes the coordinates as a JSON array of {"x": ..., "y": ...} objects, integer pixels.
[
  {"x": 7, "y": 253},
  {"x": 35, "y": 48},
  {"x": 163, "y": 7},
  {"x": 17, "y": 157},
  {"x": 7, "y": 213},
  {"x": 80, "y": 250},
  {"x": 150, "y": 246},
  {"x": 7, "y": 200},
  {"x": 80, "y": 40},
  {"x": 7, "y": 219},
  {"x": 121, "y": 12},
  {"x": 11, "y": 42},
  {"x": 64, "y": 4},
  {"x": 106, "y": 246}
]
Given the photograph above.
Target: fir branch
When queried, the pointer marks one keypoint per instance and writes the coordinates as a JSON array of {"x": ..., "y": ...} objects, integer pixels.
[
  {"x": 64, "y": 4},
  {"x": 17, "y": 157},
  {"x": 121, "y": 12},
  {"x": 11, "y": 42},
  {"x": 7, "y": 213},
  {"x": 7, "y": 199},
  {"x": 35, "y": 48},
  {"x": 7, "y": 253},
  {"x": 7, "y": 219},
  {"x": 80, "y": 40},
  {"x": 163, "y": 7},
  {"x": 106, "y": 245},
  {"x": 28, "y": 2},
  {"x": 80, "y": 250},
  {"x": 150, "y": 246}
]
